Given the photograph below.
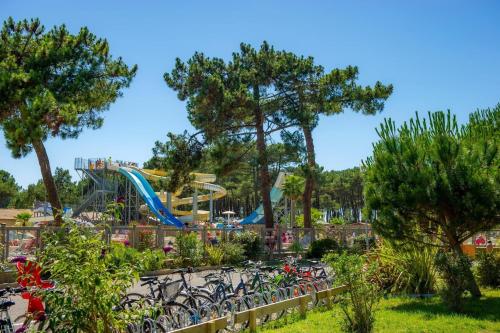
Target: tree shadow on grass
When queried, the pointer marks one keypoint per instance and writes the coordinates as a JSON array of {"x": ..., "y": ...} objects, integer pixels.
[{"x": 485, "y": 308}]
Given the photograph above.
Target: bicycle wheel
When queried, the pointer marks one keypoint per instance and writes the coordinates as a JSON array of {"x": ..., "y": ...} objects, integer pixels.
[
  {"x": 179, "y": 315},
  {"x": 135, "y": 300}
]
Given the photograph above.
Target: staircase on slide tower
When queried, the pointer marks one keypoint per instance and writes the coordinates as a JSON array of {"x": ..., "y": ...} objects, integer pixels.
[{"x": 101, "y": 189}]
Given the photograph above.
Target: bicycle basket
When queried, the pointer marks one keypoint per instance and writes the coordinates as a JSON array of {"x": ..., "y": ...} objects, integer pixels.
[{"x": 170, "y": 289}]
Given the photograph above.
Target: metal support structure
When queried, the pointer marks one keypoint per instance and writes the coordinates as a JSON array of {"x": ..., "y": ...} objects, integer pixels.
[
  {"x": 195, "y": 205},
  {"x": 211, "y": 218}
]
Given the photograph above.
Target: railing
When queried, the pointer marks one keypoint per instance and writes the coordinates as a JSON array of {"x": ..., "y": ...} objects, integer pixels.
[
  {"x": 16, "y": 240},
  {"x": 251, "y": 317}
]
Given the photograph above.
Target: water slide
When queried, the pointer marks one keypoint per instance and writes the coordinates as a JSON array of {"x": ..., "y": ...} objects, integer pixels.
[
  {"x": 201, "y": 181},
  {"x": 257, "y": 216},
  {"x": 149, "y": 196}
]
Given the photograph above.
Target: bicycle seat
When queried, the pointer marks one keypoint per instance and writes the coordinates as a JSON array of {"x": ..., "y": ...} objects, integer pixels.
[
  {"x": 148, "y": 278},
  {"x": 4, "y": 305},
  {"x": 227, "y": 269}
]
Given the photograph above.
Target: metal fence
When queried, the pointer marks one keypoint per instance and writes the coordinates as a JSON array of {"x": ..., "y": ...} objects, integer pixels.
[{"x": 16, "y": 240}]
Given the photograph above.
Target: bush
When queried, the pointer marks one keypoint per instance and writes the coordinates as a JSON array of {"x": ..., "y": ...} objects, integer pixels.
[
  {"x": 407, "y": 268},
  {"x": 233, "y": 253},
  {"x": 251, "y": 242},
  {"x": 215, "y": 255},
  {"x": 361, "y": 296},
  {"x": 321, "y": 247},
  {"x": 359, "y": 244},
  {"x": 89, "y": 287},
  {"x": 148, "y": 260},
  {"x": 454, "y": 269},
  {"x": 145, "y": 239},
  {"x": 488, "y": 270},
  {"x": 189, "y": 249}
]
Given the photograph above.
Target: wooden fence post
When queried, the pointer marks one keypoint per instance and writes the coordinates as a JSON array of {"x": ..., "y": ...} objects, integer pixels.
[
  {"x": 302, "y": 307},
  {"x": 4, "y": 242},
  {"x": 252, "y": 321},
  {"x": 133, "y": 236},
  {"x": 210, "y": 327}
]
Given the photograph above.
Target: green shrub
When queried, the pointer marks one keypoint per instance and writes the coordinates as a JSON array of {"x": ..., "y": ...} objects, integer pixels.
[
  {"x": 453, "y": 269},
  {"x": 487, "y": 269},
  {"x": 215, "y": 255},
  {"x": 145, "y": 239},
  {"x": 296, "y": 248},
  {"x": 89, "y": 287},
  {"x": 121, "y": 255},
  {"x": 358, "y": 302},
  {"x": 407, "y": 268},
  {"x": 233, "y": 253},
  {"x": 189, "y": 249},
  {"x": 251, "y": 242},
  {"x": 153, "y": 260},
  {"x": 359, "y": 244},
  {"x": 321, "y": 247}
]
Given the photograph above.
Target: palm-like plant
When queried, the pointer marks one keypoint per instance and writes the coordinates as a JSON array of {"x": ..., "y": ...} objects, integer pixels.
[{"x": 293, "y": 188}]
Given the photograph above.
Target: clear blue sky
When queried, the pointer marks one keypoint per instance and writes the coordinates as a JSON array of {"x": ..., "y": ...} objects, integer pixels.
[{"x": 437, "y": 54}]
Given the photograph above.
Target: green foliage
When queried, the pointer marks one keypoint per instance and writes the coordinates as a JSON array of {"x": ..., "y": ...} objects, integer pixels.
[
  {"x": 8, "y": 189},
  {"x": 145, "y": 239},
  {"x": 432, "y": 174},
  {"x": 89, "y": 285},
  {"x": 215, "y": 254},
  {"x": 22, "y": 219},
  {"x": 233, "y": 252},
  {"x": 251, "y": 242},
  {"x": 434, "y": 178},
  {"x": 407, "y": 268},
  {"x": 57, "y": 85},
  {"x": 359, "y": 243},
  {"x": 54, "y": 84},
  {"x": 67, "y": 189},
  {"x": 296, "y": 248},
  {"x": 342, "y": 190},
  {"x": 26, "y": 198},
  {"x": 142, "y": 261},
  {"x": 293, "y": 187},
  {"x": 454, "y": 269},
  {"x": 320, "y": 247},
  {"x": 487, "y": 269},
  {"x": 361, "y": 296},
  {"x": 189, "y": 249},
  {"x": 316, "y": 218}
]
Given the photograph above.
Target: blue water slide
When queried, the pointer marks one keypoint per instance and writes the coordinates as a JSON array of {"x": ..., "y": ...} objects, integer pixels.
[
  {"x": 150, "y": 198},
  {"x": 257, "y": 216}
]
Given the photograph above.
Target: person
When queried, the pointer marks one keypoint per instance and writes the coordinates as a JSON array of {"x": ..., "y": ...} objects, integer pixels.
[{"x": 489, "y": 247}]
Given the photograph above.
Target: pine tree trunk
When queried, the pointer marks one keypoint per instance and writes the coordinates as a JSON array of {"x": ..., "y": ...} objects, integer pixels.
[
  {"x": 471, "y": 281},
  {"x": 309, "y": 183},
  {"x": 48, "y": 180},
  {"x": 265, "y": 180}
]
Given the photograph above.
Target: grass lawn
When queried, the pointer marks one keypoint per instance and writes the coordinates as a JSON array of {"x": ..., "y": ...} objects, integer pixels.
[{"x": 408, "y": 315}]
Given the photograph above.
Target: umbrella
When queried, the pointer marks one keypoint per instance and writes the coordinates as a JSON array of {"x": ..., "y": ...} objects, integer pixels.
[{"x": 228, "y": 213}]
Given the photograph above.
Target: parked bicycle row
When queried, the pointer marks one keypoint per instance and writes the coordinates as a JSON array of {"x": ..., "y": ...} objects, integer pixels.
[
  {"x": 170, "y": 303},
  {"x": 175, "y": 303}
]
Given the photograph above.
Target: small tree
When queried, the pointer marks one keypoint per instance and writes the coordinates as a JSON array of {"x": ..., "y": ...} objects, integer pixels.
[
  {"x": 89, "y": 286},
  {"x": 8, "y": 189},
  {"x": 293, "y": 188},
  {"x": 433, "y": 177},
  {"x": 22, "y": 219},
  {"x": 54, "y": 84}
]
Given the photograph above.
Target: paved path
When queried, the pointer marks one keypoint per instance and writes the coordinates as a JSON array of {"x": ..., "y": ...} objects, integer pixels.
[{"x": 196, "y": 279}]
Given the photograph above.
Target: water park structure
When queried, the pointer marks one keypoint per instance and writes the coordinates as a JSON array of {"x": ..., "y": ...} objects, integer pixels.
[{"x": 120, "y": 181}]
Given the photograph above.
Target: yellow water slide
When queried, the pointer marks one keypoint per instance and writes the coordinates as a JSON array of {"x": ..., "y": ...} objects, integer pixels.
[{"x": 201, "y": 181}]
